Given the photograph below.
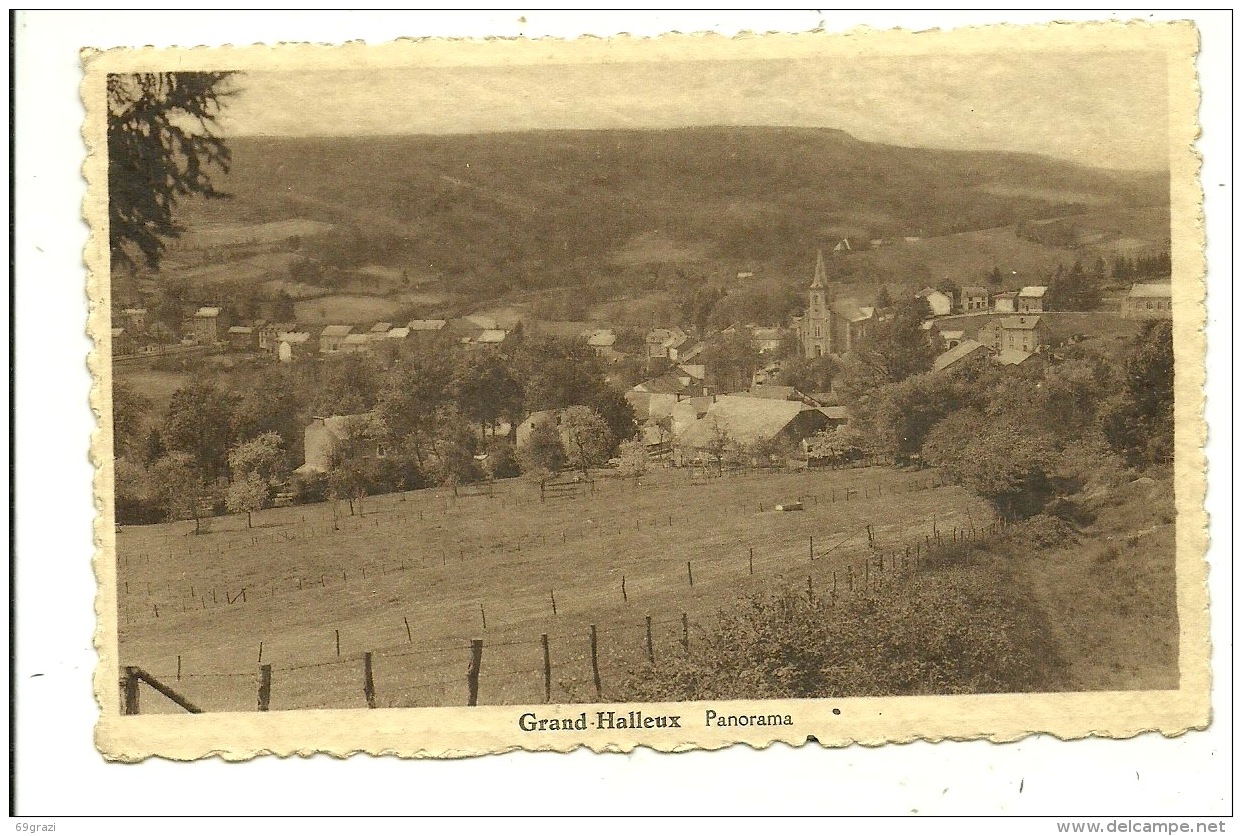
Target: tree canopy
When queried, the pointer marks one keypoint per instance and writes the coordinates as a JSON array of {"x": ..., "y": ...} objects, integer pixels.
[{"x": 162, "y": 146}]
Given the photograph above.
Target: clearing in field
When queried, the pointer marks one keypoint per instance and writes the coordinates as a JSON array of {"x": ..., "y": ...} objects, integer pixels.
[{"x": 636, "y": 566}]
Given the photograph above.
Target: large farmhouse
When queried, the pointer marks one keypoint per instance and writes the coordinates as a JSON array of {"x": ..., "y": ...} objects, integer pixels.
[{"x": 746, "y": 421}]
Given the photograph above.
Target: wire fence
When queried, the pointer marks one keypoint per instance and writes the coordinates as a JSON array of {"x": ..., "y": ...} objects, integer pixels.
[{"x": 572, "y": 660}]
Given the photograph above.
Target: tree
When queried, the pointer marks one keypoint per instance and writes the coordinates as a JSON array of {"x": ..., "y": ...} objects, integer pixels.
[
  {"x": 352, "y": 463},
  {"x": 129, "y": 420},
  {"x": 633, "y": 456},
  {"x": 809, "y": 374},
  {"x": 1140, "y": 425},
  {"x": 161, "y": 148},
  {"x": 542, "y": 454},
  {"x": 719, "y": 445},
  {"x": 883, "y": 299},
  {"x": 247, "y": 495},
  {"x": 262, "y": 457},
  {"x": 617, "y": 413},
  {"x": 588, "y": 441},
  {"x": 898, "y": 346},
  {"x": 177, "y": 486},
  {"x": 414, "y": 391},
  {"x": 198, "y": 422},
  {"x": 731, "y": 360},
  {"x": 454, "y": 445},
  {"x": 485, "y": 390},
  {"x": 994, "y": 277}
]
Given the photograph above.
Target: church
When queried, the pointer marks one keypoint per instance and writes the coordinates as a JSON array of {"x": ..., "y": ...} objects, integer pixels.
[{"x": 831, "y": 325}]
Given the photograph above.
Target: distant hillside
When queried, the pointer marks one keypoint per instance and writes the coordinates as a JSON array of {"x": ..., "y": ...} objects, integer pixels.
[{"x": 538, "y": 209}]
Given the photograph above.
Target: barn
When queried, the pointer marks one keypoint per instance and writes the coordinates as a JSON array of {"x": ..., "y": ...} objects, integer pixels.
[{"x": 747, "y": 421}]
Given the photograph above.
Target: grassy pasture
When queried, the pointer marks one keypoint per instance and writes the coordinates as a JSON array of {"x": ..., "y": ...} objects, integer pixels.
[{"x": 441, "y": 564}]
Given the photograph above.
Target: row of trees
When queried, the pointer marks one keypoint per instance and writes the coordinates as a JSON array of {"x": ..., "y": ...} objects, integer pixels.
[
  {"x": 432, "y": 408},
  {"x": 1023, "y": 438}
]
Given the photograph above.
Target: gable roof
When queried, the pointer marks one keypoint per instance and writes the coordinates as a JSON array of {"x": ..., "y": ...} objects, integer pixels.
[
  {"x": 1155, "y": 290},
  {"x": 207, "y": 312},
  {"x": 399, "y": 333},
  {"x": 956, "y": 354},
  {"x": 601, "y": 339},
  {"x": 336, "y": 330},
  {"x": 426, "y": 324},
  {"x": 952, "y": 335},
  {"x": 770, "y": 391},
  {"x": 1019, "y": 323},
  {"x": 492, "y": 335},
  {"x": 1033, "y": 292},
  {"x": 745, "y": 419},
  {"x": 1013, "y": 356},
  {"x": 241, "y": 329},
  {"x": 293, "y": 336},
  {"x": 849, "y": 310},
  {"x": 381, "y": 327}
]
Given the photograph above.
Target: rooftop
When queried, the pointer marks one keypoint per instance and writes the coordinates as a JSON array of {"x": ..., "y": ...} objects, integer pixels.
[
  {"x": 426, "y": 324},
  {"x": 336, "y": 330},
  {"x": 956, "y": 354},
  {"x": 1033, "y": 292},
  {"x": 1157, "y": 290}
]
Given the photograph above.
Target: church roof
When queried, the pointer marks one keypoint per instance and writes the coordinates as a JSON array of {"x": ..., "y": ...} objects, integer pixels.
[{"x": 821, "y": 272}]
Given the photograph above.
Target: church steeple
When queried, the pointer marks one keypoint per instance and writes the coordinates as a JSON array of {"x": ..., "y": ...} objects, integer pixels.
[{"x": 821, "y": 272}]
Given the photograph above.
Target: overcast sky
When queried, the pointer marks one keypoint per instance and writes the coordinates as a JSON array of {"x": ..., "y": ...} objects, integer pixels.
[{"x": 1105, "y": 109}]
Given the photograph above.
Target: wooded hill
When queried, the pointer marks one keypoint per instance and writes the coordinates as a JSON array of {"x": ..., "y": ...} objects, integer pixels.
[{"x": 530, "y": 210}]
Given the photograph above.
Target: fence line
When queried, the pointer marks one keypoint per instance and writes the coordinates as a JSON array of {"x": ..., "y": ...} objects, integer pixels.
[
  {"x": 559, "y": 651},
  {"x": 232, "y": 595}
]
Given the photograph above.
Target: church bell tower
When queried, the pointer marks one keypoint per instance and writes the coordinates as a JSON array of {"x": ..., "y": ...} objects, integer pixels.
[{"x": 817, "y": 322}]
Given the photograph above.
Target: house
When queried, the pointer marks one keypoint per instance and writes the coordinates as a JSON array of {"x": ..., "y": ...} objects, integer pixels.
[
  {"x": 332, "y": 337},
  {"x": 203, "y": 327},
  {"x": 666, "y": 343},
  {"x": 135, "y": 318},
  {"x": 1025, "y": 333},
  {"x": 492, "y": 337},
  {"x": 552, "y": 416},
  {"x": 426, "y": 326},
  {"x": 269, "y": 334},
  {"x": 959, "y": 354},
  {"x": 831, "y": 325},
  {"x": 745, "y": 421},
  {"x": 400, "y": 333},
  {"x": 1148, "y": 301},
  {"x": 603, "y": 343},
  {"x": 122, "y": 343},
  {"x": 294, "y": 345},
  {"x": 941, "y": 303},
  {"x": 1031, "y": 299},
  {"x": 952, "y": 338},
  {"x": 768, "y": 340},
  {"x": 243, "y": 338},
  {"x": 974, "y": 298},
  {"x": 381, "y": 329},
  {"x": 1006, "y": 302},
  {"x": 324, "y": 436},
  {"x": 355, "y": 343},
  {"x": 677, "y": 383}
]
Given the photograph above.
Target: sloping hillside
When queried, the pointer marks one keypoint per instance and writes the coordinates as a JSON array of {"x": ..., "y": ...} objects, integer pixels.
[{"x": 536, "y": 209}]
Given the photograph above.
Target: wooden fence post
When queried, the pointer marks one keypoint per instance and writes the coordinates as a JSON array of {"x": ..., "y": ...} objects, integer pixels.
[
  {"x": 338, "y": 642},
  {"x": 690, "y": 573},
  {"x": 409, "y": 636},
  {"x": 547, "y": 669},
  {"x": 265, "y": 687},
  {"x": 812, "y": 547},
  {"x": 650, "y": 647},
  {"x": 595, "y": 664},
  {"x": 178, "y": 667},
  {"x": 624, "y": 596},
  {"x": 552, "y": 592},
  {"x": 750, "y": 562},
  {"x": 685, "y": 633},
  {"x": 472, "y": 672},
  {"x": 129, "y": 703},
  {"x": 810, "y": 590},
  {"x": 368, "y": 680},
  {"x": 483, "y": 613}
]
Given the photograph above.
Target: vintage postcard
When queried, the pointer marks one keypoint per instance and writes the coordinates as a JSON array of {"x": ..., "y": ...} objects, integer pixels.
[{"x": 457, "y": 397}]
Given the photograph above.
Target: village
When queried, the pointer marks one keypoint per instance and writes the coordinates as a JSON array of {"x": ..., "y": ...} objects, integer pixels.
[{"x": 688, "y": 408}]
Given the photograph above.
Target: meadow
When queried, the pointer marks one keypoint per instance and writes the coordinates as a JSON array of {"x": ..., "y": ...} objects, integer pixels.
[{"x": 419, "y": 575}]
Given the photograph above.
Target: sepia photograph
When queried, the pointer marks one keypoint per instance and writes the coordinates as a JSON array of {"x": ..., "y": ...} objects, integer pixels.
[{"x": 629, "y": 396}]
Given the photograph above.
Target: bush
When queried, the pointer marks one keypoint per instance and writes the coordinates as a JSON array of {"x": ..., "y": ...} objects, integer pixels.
[
  {"x": 309, "y": 487},
  {"x": 954, "y": 629}
]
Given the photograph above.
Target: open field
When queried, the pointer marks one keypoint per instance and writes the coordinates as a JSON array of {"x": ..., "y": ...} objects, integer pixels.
[{"x": 442, "y": 565}]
